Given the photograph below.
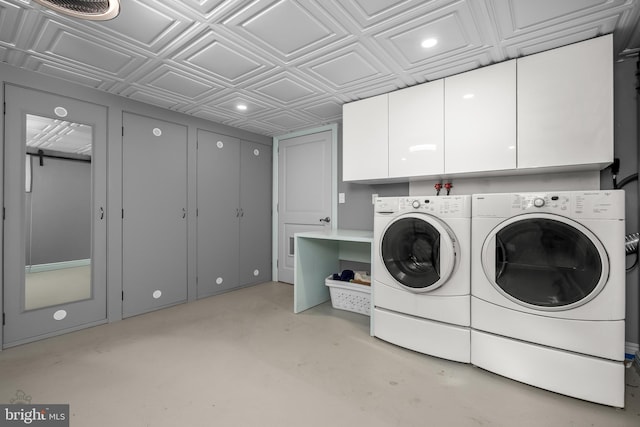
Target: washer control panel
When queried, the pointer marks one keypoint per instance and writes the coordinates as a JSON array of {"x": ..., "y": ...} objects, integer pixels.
[
  {"x": 442, "y": 206},
  {"x": 582, "y": 204},
  {"x": 541, "y": 202},
  {"x": 454, "y": 206}
]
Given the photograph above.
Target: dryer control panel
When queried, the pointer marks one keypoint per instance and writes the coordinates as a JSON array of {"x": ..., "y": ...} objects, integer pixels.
[
  {"x": 576, "y": 204},
  {"x": 545, "y": 202},
  {"x": 441, "y": 206}
]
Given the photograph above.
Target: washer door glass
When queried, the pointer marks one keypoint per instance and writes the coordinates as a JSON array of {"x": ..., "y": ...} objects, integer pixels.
[
  {"x": 413, "y": 253},
  {"x": 547, "y": 263}
]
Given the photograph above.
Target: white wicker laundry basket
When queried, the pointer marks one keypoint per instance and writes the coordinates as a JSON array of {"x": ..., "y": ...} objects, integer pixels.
[{"x": 350, "y": 296}]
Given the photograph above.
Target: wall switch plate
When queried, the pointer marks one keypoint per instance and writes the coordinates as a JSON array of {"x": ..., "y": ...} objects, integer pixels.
[
  {"x": 373, "y": 199},
  {"x": 341, "y": 197}
]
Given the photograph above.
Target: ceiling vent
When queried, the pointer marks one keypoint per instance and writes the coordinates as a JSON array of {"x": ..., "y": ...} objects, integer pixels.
[{"x": 96, "y": 10}]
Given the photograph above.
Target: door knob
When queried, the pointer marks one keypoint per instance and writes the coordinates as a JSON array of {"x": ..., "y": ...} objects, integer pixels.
[{"x": 325, "y": 219}]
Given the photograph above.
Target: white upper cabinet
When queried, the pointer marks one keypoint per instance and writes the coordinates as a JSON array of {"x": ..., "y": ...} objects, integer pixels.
[
  {"x": 565, "y": 106},
  {"x": 416, "y": 130},
  {"x": 552, "y": 110},
  {"x": 480, "y": 119},
  {"x": 365, "y": 139}
]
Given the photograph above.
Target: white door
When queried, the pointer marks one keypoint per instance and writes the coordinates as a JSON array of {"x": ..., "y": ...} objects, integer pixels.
[{"x": 305, "y": 192}]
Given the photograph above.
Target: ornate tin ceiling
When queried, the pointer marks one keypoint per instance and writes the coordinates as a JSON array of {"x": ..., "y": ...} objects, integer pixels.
[{"x": 292, "y": 64}]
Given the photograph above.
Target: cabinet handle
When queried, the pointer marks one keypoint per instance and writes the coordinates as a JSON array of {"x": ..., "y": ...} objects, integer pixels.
[
  {"x": 241, "y": 212},
  {"x": 184, "y": 213},
  {"x": 101, "y": 212}
]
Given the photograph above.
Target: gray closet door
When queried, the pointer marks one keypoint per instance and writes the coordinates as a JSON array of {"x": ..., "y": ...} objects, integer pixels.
[
  {"x": 255, "y": 218},
  {"x": 154, "y": 214},
  {"x": 55, "y": 229},
  {"x": 218, "y": 212}
]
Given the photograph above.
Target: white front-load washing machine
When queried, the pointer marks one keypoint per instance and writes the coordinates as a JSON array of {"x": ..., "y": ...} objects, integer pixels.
[
  {"x": 548, "y": 290},
  {"x": 421, "y": 274}
]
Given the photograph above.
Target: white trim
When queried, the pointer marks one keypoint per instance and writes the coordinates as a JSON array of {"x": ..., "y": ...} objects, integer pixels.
[
  {"x": 37, "y": 268},
  {"x": 334, "y": 186}
]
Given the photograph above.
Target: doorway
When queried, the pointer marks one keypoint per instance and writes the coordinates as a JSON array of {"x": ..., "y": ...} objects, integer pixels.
[{"x": 305, "y": 188}]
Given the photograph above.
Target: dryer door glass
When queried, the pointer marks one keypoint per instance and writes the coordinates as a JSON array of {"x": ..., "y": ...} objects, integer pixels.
[
  {"x": 546, "y": 263},
  {"x": 411, "y": 252}
]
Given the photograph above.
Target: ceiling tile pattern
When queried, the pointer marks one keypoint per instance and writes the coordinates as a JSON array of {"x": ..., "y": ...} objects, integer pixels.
[
  {"x": 58, "y": 136},
  {"x": 294, "y": 63}
]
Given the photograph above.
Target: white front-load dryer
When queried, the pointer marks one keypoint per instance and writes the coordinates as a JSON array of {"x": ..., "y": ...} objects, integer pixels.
[
  {"x": 548, "y": 290},
  {"x": 421, "y": 274}
]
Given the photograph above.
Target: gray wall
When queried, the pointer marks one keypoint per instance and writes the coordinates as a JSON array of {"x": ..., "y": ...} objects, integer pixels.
[
  {"x": 116, "y": 106},
  {"x": 626, "y": 149},
  {"x": 59, "y": 211}
]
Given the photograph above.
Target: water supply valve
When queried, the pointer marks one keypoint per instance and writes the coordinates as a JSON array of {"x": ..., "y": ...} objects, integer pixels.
[{"x": 448, "y": 186}]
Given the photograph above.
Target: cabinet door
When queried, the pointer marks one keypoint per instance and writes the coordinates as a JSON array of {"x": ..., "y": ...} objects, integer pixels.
[
  {"x": 255, "y": 213},
  {"x": 365, "y": 137},
  {"x": 565, "y": 105},
  {"x": 154, "y": 230},
  {"x": 416, "y": 130},
  {"x": 480, "y": 119},
  {"x": 218, "y": 189}
]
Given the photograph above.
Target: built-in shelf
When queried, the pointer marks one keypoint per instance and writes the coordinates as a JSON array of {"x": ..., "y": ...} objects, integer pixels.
[{"x": 318, "y": 255}]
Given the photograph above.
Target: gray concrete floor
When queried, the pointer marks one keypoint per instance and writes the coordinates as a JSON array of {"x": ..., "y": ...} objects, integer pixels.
[{"x": 244, "y": 359}]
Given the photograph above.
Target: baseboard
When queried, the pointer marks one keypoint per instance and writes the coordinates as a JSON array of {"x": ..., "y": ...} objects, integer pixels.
[{"x": 37, "y": 268}]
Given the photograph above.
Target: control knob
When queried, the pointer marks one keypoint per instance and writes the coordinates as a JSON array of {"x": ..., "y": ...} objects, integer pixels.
[
  {"x": 538, "y": 202},
  {"x": 415, "y": 204}
]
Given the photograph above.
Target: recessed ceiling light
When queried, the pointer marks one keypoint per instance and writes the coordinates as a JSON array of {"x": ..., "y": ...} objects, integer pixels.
[
  {"x": 241, "y": 107},
  {"x": 427, "y": 43}
]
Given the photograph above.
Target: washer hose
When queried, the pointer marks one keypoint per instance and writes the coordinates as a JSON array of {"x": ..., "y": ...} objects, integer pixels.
[{"x": 631, "y": 243}]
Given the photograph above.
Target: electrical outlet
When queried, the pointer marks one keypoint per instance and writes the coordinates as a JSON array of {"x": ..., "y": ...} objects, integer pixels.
[
  {"x": 341, "y": 198},
  {"x": 373, "y": 199}
]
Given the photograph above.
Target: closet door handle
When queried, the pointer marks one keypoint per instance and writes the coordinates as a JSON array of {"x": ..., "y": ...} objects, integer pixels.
[
  {"x": 184, "y": 213},
  {"x": 101, "y": 212}
]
